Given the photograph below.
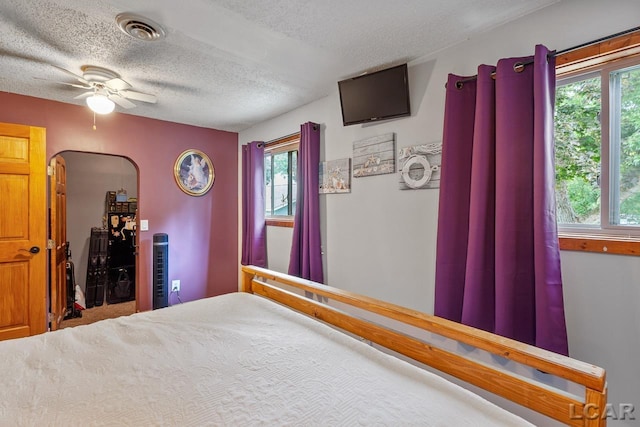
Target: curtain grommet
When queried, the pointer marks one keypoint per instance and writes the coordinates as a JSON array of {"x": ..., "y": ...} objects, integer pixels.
[{"x": 518, "y": 67}]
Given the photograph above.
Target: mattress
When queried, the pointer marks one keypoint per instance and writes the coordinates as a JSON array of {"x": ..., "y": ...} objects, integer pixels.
[{"x": 236, "y": 360}]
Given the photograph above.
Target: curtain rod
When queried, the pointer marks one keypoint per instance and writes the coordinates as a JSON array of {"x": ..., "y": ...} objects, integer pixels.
[
  {"x": 602, "y": 39},
  {"x": 315, "y": 127},
  {"x": 519, "y": 66}
]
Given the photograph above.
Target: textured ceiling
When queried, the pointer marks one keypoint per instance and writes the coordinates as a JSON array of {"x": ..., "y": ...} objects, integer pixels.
[{"x": 229, "y": 64}]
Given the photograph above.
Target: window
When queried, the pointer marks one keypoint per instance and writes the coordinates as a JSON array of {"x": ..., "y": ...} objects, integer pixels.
[
  {"x": 597, "y": 137},
  {"x": 280, "y": 169}
]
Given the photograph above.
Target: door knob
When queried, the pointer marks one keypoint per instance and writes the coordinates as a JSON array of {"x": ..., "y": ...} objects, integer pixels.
[{"x": 33, "y": 249}]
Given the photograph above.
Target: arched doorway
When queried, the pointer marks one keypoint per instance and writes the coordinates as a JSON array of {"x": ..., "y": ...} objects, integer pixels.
[{"x": 105, "y": 276}]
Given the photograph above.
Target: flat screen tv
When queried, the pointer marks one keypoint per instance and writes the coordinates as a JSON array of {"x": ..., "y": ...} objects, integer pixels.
[{"x": 376, "y": 96}]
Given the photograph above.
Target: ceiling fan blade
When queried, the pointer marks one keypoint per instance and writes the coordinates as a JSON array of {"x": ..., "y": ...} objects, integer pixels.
[
  {"x": 139, "y": 96},
  {"x": 83, "y": 95},
  {"x": 77, "y": 77},
  {"x": 64, "y": 83},
  {"x": 124, "y": 103},
  {"x": 117, "y": 84}
]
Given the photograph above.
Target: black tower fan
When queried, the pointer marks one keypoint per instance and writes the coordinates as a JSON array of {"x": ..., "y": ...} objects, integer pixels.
[{"x": 160, "y": 270}]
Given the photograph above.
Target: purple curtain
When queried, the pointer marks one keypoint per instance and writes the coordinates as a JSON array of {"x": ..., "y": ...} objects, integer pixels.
[
  {"x": 254, "y": 238},
  {"x": 498, "y": 259},
  {"x": 306, "y": 247}
]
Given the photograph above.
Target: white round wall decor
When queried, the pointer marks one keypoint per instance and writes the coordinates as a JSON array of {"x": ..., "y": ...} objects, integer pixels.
[
  {"x": 423, "y": 164},
  {"x": 419, "y": 166}
]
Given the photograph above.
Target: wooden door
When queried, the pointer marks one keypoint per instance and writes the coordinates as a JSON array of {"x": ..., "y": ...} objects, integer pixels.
[
  {"x": 23, "y": 209},
  {"x": 58, "y": 235}
]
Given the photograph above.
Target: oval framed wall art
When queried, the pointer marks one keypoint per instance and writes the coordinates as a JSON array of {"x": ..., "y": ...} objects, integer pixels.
[{"x": 194, "y": 172}]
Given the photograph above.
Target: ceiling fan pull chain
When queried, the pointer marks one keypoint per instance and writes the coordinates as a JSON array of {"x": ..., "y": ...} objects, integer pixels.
[{"x": 94, "y": 120}]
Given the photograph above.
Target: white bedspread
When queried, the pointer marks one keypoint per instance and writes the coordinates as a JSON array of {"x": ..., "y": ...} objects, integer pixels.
[{"x": 232, "y": 360}]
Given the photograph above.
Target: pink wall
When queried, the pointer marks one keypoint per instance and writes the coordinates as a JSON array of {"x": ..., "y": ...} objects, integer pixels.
[{"x": 203, "y": 231}]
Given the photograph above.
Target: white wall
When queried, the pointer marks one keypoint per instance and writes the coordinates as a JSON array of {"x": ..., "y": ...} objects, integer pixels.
[
  {"x": 89, "y": 177},
  {"x": 380, "y": 241}
]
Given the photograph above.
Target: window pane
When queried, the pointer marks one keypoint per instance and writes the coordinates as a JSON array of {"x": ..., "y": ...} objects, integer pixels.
[
  {"x": 625, "y": 147},
  {"x": 577, "y": 140},
  {"x": 281, "y": 184},
  {"x": 268, "y": 180}
]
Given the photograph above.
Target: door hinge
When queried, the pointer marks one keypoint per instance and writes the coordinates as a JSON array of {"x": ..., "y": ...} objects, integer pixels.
[
  {"x": 51, "y": 244},
  {"x": 50, "y": 170}
]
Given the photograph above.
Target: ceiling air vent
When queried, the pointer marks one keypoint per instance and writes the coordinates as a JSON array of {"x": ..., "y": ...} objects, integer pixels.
[{"x": 139, "y": 27}]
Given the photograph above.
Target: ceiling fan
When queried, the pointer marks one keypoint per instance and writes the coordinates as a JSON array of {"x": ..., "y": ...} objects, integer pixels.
[{"x": 104, "y": 88}]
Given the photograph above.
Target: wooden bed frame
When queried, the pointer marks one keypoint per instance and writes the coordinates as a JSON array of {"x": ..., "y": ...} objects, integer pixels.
[{"x": 552, "y": 403}]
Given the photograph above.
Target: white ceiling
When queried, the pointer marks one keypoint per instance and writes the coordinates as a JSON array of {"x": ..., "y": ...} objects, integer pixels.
[{"x": 229, "y": 64}]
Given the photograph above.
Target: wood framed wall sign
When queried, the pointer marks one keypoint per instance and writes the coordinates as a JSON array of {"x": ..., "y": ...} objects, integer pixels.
[{"x": 194, "y": 172}]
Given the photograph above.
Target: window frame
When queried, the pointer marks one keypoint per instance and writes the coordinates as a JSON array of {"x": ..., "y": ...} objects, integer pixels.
[
  {"x": 281, "y": 145},
  {"x": 622, "y": 50}
]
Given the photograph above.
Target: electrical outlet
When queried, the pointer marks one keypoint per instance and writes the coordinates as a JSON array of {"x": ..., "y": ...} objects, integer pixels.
[{"x": 175, "y": 286}]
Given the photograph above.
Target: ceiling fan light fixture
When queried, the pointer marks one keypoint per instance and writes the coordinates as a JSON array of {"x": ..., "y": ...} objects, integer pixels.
[{"x": 100, "y": 104}]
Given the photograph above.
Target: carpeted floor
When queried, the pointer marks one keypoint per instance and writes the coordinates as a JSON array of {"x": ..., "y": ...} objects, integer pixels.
[{"x": 105, "y": 311}]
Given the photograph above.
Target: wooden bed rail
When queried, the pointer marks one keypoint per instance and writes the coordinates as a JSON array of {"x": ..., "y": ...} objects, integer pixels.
[{"x": 539, "y": 398}]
